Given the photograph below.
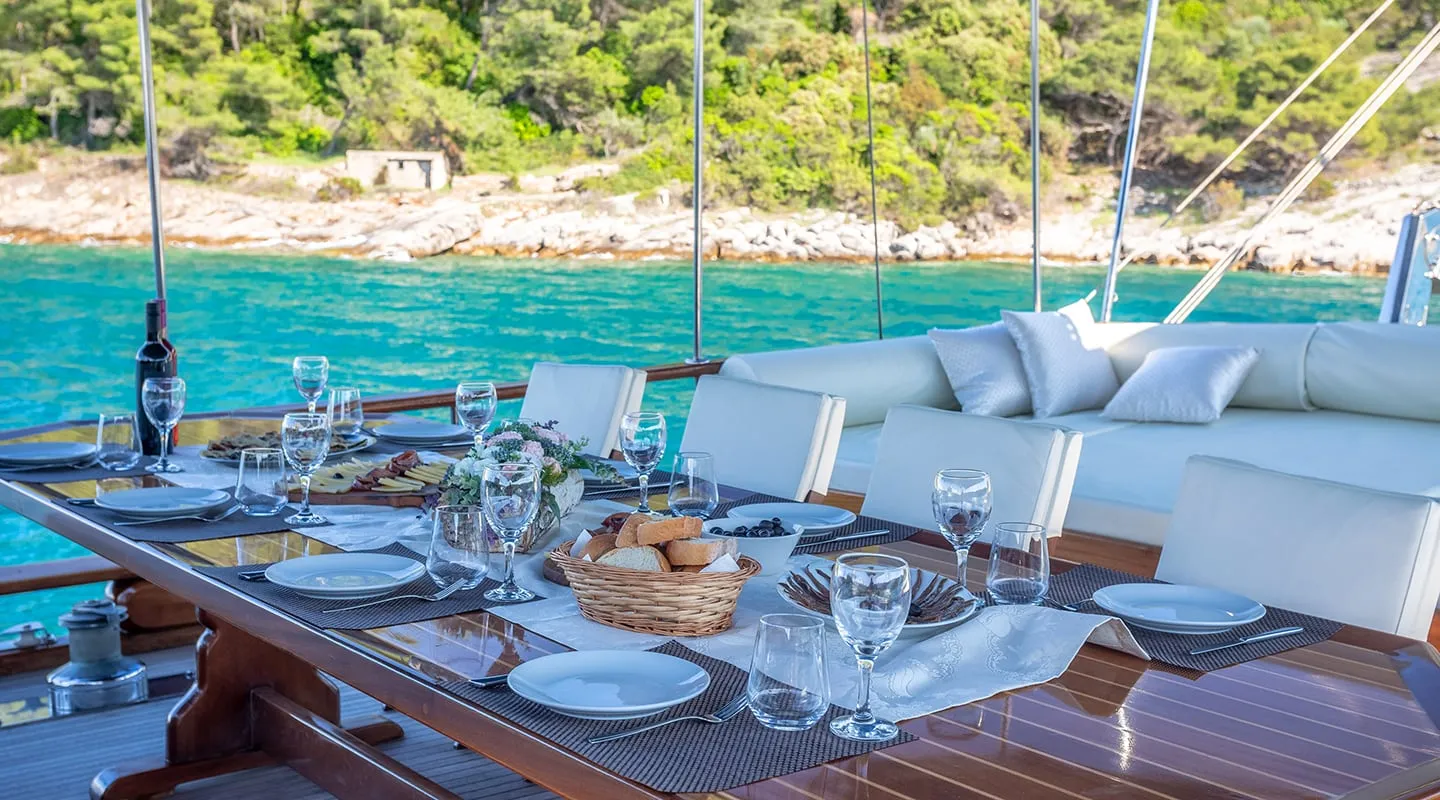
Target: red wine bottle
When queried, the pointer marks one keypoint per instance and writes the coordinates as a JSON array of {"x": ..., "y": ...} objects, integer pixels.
[{"x": 156, "y": 359}]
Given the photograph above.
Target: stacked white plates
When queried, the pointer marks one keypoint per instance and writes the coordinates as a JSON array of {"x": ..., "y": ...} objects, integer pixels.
[
  {"x": 45, "y": 454},
  {"x": 1173, "y": 608},
  {"x": 344, "y": 576},
  {"x": 810, "y": 516},
  {"x": 157, "y": 502},
  {"x": 608, "y": 684},
  {"x": 423, "y": 434}
]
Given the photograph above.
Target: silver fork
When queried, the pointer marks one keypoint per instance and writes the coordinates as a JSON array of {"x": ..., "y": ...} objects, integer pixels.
[
  {"x": 724, "y": 714},
  {"x": 232, "y": 510},
  {"x": 429, "y": 598},
  {"x": 1075, "y": 606},
  {"x": 41, "y": 467}
]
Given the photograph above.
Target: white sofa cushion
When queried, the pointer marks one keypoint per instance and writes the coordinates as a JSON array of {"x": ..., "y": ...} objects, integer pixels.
[
  {"x": 859, "y": 444},
  {"x": 1291, "y": 541},
  {"x": 1066, "y": 372},
  {"x": 984, "y": 369},
  {"x": 1130, "y": 473},
  {"x": 1374, "y": 368},
  {"x": 587, "y": 400},
  {"x": 1032, "y": 465},
  {"x": 1276, "y": 381},
  {"x": 1182, "y": 384},
  {"x": 872, "y": 376},
  {"x": 766, "y": 438}
]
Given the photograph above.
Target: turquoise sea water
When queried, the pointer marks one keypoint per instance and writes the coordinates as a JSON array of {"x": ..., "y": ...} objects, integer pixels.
[{"x": 73, "y": 319}]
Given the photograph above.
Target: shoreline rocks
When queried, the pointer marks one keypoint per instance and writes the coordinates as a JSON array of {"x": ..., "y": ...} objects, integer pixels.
[{"x": 1352, "y": 231}]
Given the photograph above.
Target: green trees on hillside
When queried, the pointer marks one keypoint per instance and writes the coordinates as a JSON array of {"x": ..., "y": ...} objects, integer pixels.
[{"x": 516, "y": 84}]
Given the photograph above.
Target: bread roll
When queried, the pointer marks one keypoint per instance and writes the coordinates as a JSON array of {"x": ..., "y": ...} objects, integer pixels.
[
  {"x": 667, "y": 530},
  {"x": 645, "y": 559},
  {"x": 700, "y": 552},
  {"x": 689, "y": 568},
  {"x": 627, "y": 537},
  {"x": 598, "y": 545}
]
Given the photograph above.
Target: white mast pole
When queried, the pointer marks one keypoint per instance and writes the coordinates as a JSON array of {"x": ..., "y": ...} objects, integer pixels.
[
  {"x": 152, "y": 160},
  {"x": 697, "y": 201},
  {"x": 1036, "y": 289}
]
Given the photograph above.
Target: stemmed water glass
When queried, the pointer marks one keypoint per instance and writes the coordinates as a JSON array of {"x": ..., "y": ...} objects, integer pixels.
[
  {"x": 961, "y": 501},
  {"x": 642, "y": 441},
  {"x": 459, "y": 551},
  {"x": 164, "y": 402},
  {"x": 693, "y": 492},
  {"x": 475, "y": 406},
  {"x": 870, "y": 598},
  {"x": 1019, "y": 564},
  {"x": 510, "y": 494},
  {"x": 305, "y": 438},
  {"x": 347, "y": 415},
  {"x": 310, "y": 374}
]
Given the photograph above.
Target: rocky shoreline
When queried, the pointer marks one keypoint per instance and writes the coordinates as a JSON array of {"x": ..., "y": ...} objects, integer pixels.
[{"x": 272, "y": 208}]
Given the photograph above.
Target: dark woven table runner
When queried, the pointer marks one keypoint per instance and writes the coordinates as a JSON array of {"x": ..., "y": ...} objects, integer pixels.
[
  {"x": 1081, "y": 583},
  {"x": 398, "y": 612},
  {"x": 596, "y": 489},
  {"x": 895, "y": 531},
  {"x": 686, "y": 756},
  {"x": 189, "y": 530},
  {"x": 66, "y": 474}
]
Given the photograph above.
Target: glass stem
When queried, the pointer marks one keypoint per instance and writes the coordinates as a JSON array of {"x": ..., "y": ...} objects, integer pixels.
[
  {"x": 962, "y": 559},
  {"x": 312, "y": 406},
  {"x": 304, "y": 494},
  {"x": 509, "y": 565},
  {"x": 862, "y": 713},
  {"x": 644, "y": 492},
  {"x": 164, "y": 448}
]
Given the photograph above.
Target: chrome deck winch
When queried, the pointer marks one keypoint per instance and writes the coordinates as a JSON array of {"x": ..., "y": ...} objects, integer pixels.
[{"x": 97, "y": 675}]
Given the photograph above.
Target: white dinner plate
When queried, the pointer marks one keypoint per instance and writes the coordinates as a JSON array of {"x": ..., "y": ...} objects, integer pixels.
[
  {"x": 344, "y": 576},
  {"x": 422, "y": 433},
  {"x": 608, "y": 684},
  {"x": 35, "y": 454},
  {"x": 162, "y": 501},
  {"x": 810, "y": 516},
  {"x": 1177, "y": 608}
]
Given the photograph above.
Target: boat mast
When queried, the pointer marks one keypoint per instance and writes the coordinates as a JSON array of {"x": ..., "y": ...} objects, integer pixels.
[
  {"x": 870, "y": 144},
  {"x": 1036, "y": 291},
  {"x": 152, "y": 160},
  {"x": 697, "y": 195},
  {"x": 1142, "y": 75}
]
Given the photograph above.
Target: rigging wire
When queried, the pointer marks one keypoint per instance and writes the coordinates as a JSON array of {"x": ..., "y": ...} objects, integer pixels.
[{"x": 870, "y": 139}]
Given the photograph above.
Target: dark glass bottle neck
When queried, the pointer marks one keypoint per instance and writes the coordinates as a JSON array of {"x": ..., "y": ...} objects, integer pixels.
[{"x": 154, "y": 320}]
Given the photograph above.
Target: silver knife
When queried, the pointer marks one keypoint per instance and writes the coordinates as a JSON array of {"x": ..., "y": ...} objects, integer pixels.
[
  {"x": 490, "y": 681},
  {"x": 1258, "y": 637},
  {"x": 860, "y": 535}
]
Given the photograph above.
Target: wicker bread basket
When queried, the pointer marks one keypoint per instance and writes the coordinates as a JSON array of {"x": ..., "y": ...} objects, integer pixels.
[{"x": 665, "y": 603}]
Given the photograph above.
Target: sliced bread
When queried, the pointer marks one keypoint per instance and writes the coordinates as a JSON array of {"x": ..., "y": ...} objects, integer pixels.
[
  {"x": 667, "y": 530},
  {"x": 645, "y": 559},
  {"x": 627, "y": 536},
  {"x": 700, "y": 552},
  {"x": 598, "y": 545}
]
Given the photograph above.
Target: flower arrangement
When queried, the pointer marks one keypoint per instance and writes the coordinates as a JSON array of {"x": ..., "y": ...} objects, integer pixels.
[{"x": 558, "y": 456}]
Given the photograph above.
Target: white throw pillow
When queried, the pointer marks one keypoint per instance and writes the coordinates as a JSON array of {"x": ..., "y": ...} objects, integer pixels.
[
  {"x": 984, "y": 369},
  {"x": 1183, "y": 384},
  {"x": 1065, "y": 374}
]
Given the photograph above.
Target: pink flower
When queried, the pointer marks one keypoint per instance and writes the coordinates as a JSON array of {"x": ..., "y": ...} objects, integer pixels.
[
  {"x": 533, "y": 449},
  {"x": 551, "y": 465},
  {"x": 550, "y": 436},
  {"x": 507, "y": 436}
]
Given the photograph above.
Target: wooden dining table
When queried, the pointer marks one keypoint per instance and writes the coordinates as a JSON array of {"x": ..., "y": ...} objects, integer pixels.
[{"x": 1357, "y": 716}]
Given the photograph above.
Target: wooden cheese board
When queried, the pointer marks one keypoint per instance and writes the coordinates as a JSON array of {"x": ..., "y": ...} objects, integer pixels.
[{"x": 407, "y": 480}]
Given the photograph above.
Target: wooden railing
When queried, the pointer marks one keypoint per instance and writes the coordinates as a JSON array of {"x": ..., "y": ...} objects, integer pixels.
[{"x": 93, "y": 569}]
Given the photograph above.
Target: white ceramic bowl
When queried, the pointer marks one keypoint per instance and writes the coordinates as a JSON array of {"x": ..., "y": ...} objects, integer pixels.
[{"x": 771, "y": 551}]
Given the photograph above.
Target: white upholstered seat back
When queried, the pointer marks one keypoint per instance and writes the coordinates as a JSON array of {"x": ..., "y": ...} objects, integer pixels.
[
  {"x": 587, "y": 400},
  {"x": 771, "y": 439},
  {"x": 1031, "y": 465},
  {"x": 1355, "y": 555}
]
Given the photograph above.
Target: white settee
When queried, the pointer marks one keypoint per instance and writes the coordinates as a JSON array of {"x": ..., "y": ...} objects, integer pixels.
[{"x": 1353, "y": 402}]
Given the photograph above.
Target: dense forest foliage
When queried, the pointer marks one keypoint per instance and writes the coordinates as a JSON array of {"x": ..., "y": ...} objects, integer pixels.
[{"x": 513, "y": 85}]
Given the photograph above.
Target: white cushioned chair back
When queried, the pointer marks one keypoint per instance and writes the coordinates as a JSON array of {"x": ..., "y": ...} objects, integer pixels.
[
  {"x": 1031, "y": 465},
  {"x": 770, "y": 439},
  {"x": 1355, "y": 555},
  {"x": 1375, "y": 368},
  {"x": 871, "y": 376},
  {"x": 1276, "y": 381},
  {"x": 586, "y": 399}
]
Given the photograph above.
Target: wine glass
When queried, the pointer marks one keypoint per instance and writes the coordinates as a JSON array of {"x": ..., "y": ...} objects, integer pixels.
[
  {"x": 347, "y": 415},
  {"x": 642, "y": 441},
  {"x": 117, "y": 442},
  {"x": 870, "y": 598},
  {"x": 260, "y": 485},
  {"x": 510, "y": 494},
  {"x": 475, "y": 406},
  {"x": 459, "y": 551},
  {"x": 305, "y": 438},
  {"x": 1019, "y": 564},
  {"x": 693, "y": 492},
  {"x": 164, "y": 402},
  {"x": 310, "y": 373},
  {"x": 789, "y": 685},
  {"x": 961, "y": 501}
]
